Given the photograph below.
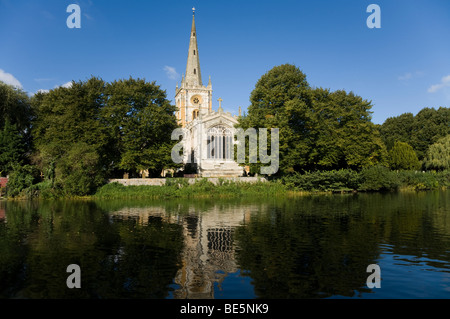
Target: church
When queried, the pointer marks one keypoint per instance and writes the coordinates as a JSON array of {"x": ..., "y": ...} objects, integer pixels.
[{"x": 209, "y": 139}]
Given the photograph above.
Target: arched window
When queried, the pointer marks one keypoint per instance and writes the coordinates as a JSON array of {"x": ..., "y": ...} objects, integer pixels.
[
  {"x": 220, "y": 143},
  {"x": 194, "y": 52},
  {"x": 195, "y": 71}
]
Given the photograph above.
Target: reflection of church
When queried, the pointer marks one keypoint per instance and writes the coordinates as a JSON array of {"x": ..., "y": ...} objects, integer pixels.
[
  {"x": 209, "y": 144},
  {"x": 209, "y": 248},
  {"x": 209, "y": 252}
]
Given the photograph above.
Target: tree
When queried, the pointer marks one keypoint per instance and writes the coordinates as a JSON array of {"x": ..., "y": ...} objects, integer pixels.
[
  {"x": 14, "y": 107},
  {"x": 84, "y": 133},
  {"x": 403, "y": 157},
  {"x": 346, "y": 137},
  {"x": 277, "y": 101},
  {"x": 399, "y": 128},
  {"x": 69, "y": 135},
  {"x": 15, "y": 126},
  {"x": 438, "y": 155},
  {"x": 12, "y": 148},
  {"x": 429, "y": 126},
  {"x": 419, "y": 131},
  {"x": 319, "y": 129},
  {"x": 141, "y": 120},
  {"x": 21, "y": 178}
]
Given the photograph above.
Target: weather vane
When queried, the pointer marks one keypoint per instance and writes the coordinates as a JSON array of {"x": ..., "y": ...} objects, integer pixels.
[{"x": 193, "y": 10}]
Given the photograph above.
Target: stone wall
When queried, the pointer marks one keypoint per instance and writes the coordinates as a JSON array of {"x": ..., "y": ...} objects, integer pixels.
[{"x": 162, "y": 181}]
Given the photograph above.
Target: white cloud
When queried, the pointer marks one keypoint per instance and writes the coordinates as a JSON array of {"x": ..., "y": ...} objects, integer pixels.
[
  {"x": 410, "y": 75},
  {"x": 445, "y": 82},
  {"x": 42, "y": 91},
  {"x": 67, "y": 85},
  {"x": 8, "y": 78},
  {"x": 406, "y": 76},
  {"x": 171, "y": 72}
]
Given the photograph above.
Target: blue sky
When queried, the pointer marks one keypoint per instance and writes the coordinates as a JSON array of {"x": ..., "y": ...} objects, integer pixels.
[{"x": 402, "y": 67}]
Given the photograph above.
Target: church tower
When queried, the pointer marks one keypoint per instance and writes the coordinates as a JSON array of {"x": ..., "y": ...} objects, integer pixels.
[{"x": 192, "y": 98}]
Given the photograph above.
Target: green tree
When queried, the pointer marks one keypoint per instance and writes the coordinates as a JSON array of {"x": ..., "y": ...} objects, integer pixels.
[
  {"x": 21, "y": 178},
  {"x": 429, "y": 126},
  {"x": 438, "y": 155},
  {"x": 14, "y": 107},
  {"x": 78, "y": 171},
  {"x": 419, "y": 131},
  {"x": 403, "y": 157},
  {"x": 15, "y": 126},
  {"x": 398, "y": 128},
  {"x": 84, "y": 133},
  {"x": 141, "y": 121},
  {"x": 12, "y": 148},
  {"x": 69, "y": 135},
  {"x": 319, "y": 129},
  {"x": 278, "y": 101}
]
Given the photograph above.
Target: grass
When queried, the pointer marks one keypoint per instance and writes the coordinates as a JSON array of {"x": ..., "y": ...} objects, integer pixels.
[{"x": 202, "y": 188}]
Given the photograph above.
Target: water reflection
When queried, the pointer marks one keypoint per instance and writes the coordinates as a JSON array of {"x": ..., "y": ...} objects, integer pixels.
[
  {"x": 208, "y": 254},
  {"x": 308, "y": 247}
]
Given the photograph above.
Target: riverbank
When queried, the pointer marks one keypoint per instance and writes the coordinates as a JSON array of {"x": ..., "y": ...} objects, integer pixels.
[
  {"x": 325, "y": 182},
  {"x": 374, "y": 179}
]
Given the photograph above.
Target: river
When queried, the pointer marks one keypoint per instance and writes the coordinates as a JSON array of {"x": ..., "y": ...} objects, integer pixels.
[{"x": 316, "y": 246}]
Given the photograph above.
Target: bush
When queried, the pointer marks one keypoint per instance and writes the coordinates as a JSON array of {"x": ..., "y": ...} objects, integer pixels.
[
  {"x": 420, "y": 180},
  {"x": 379, "y": 178},
  {"x": 20, "y": 179},
  {"x": 79, "y": 173},
  {"x": 336, "y": 180}
]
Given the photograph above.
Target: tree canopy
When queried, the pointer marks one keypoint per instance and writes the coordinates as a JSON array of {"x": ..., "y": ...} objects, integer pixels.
[
  {"x": 420, "y": 131},
  {"x": 319, "y": 129},
  {"x": 14, "y": 107},
  {"x": 93, "y": 129},
  {"x": 402, "y": 156},
  {"x": 15, "y": 124},
  {"x": 12, "y": 148}
]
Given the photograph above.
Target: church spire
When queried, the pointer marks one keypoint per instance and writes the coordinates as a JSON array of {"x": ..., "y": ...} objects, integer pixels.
[{"x": 193, "y": 74}]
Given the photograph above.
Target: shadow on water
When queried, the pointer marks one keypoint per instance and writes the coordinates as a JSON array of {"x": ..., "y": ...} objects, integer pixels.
[{"x": 305, "y": 247}]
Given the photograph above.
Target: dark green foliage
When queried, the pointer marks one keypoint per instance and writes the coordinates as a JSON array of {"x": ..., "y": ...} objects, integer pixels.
[
  {"x": 403, "y": 157},
  {"x": 423, "y": 181},
  {"x": 430, "y": 126},
  {"x": 79, "y": 171},
  {"x": 12, "y": 148},
  {"x": 397, "y": 129},
  {"x": 85, "y": 133},
  {"x": 15, "y": 123},
  {"x": 14, "y": 107},
  {"x": 420, "y": 131},
  {"x": 379, "y": 178},
  {"x": 141, "y": 121},
  {"x": 71, "y": 142},
  {"x": 335, "y": 180},
  {"x": 319, "y": 129},
  {"x": 21, "y": 178}
]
